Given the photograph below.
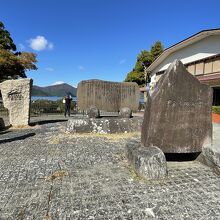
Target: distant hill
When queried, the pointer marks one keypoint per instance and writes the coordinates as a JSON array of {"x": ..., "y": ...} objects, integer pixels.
[{"x": 55, "y": 90}]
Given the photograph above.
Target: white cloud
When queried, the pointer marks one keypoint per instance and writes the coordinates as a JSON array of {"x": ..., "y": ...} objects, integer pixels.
[
  {"x": 81, "y": 68},
  {"x": 21, "y": 46},
  {"x": 40, "y": 43},
  {"x": 50, "y": 69},
  {"x": 122, "y": 61},
  {"x": 58, "y": 83}
]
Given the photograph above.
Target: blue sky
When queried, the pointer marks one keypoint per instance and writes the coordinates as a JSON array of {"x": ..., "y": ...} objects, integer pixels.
[{"x": 99, "y": 39}]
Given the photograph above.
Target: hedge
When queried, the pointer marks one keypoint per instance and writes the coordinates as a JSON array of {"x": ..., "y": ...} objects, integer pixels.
[{"x": 216, "y": 109}]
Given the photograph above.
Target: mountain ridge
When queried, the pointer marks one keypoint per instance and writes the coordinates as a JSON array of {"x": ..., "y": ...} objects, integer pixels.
[{"x": 59, "y": 90}]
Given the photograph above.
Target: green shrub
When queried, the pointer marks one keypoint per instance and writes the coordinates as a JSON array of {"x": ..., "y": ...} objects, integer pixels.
[
  {"x": 50, "y": 107},
  {"x": 216, "y": 109}
]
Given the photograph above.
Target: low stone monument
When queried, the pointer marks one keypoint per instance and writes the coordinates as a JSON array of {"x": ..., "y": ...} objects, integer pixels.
[
  {"x": 16, "y": 95},
  {"x": 102, "y": 102},
  {"x": 177, "y": 117},
  {"x": 108, "y": 96}
]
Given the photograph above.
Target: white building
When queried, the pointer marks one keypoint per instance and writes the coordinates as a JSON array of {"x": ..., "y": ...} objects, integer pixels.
[{"x": 201, "y": 55}]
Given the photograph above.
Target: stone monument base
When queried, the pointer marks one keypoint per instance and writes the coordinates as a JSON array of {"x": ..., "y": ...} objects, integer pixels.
[{"x": 104, "y": 125}]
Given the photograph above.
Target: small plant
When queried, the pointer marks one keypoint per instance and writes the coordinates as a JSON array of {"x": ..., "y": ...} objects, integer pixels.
[{"x": 216, "y": 109}]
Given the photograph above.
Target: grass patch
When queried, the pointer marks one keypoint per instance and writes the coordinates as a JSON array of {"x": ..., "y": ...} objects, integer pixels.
[
  {"x": 112, "y": 137},
  {"x": 59, "y": 174}
]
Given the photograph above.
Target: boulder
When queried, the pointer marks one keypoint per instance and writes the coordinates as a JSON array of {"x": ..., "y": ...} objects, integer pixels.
[
  {"x": 211, "y": 154},
  {"x": 149, "y": 163}
]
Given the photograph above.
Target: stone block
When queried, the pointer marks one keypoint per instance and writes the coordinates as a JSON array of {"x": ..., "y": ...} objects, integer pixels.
[
  {"x": 149, "y": 162},
  {"x": 177, "y": 116},
  {"x": 93, "y": 112},
  {"x": 16, "y": 95},
  {"x": 125, "y": 112}
]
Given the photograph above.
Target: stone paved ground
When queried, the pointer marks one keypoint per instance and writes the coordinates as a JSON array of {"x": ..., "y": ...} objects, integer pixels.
[{"x": 47, "y": 174}]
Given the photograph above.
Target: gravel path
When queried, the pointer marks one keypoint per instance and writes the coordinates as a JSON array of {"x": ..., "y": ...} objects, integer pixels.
[{"x": 48, "y": 174}]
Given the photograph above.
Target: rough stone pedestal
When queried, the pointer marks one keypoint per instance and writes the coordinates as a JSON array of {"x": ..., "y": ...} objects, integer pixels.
[
  {"x": 104, "y": 125},
  {"x": 149, "y": 162},
  {"x": 16, "y": 95},
  {"x": 125, "y": 112},
  {"x": 177, "y": 116}
]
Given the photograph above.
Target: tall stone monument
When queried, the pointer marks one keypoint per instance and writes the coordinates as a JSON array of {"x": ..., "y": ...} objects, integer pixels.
[
  {"x": 16, "y": 95},
  {"x": 177, "y": 117}
]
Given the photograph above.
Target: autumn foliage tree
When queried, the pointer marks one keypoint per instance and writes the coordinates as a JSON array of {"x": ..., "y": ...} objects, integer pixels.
[
  {"x": 13, "y": 63},
  {"x": 145, "y": 58}
]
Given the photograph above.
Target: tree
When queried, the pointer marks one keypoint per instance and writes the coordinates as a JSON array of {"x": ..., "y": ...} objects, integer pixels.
[
  {"x": 13, "y": 64},
  {"x": 156, "y": 50},
  {"x": 5, "y": 39},
  {"x": 144, "y": 59},
  {"x": 135, "y": 76}
]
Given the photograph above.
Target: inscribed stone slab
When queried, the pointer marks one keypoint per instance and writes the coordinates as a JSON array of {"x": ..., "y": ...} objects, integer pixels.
[
  {"x": 177, "y": 117},
  {"x": 16, "y": 95}
]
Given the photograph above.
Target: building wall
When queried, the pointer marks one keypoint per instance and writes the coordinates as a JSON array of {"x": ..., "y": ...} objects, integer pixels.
[
  {"x": 204, "y": 67},
  {"x": 195, "y": 57},
  {"x": 204, "y": 48}
]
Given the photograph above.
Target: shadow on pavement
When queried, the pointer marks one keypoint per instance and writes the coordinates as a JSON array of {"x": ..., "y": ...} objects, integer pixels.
[
  {"x": 4, "y": 132},
  {"x": 22, "y": 137},
  {"x": 42, "y": 122},
  {"x": 181, "y": 156}
]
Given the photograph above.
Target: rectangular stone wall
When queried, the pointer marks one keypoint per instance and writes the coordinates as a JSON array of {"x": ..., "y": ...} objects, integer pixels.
[{"x": 107, "y": 96}]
